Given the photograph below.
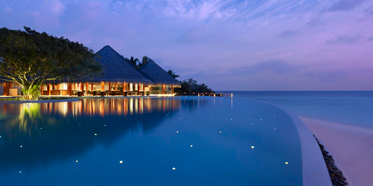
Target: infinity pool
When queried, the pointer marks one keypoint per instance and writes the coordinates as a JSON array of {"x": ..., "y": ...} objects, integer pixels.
[{"x": 148, "y": 141}]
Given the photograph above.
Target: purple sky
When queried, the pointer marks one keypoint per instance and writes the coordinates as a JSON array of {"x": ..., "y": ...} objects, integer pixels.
[{"x": 227, "y": 44}]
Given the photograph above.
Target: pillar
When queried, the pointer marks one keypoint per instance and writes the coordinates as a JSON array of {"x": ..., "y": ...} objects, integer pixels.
[
  {"x": 86, "y": 89},
  {"x": 102, "y": 86},
  {"x": 172, "y": 89},
  {"x": 49, "y": 89},
  {"x": 69, "y": 87},
  {"x": 81, "y": 86},
  {"x": 6, "y": 89},
  {"x": 124, "y": 86},
  {"x": 92, "y": 87},
  {"x": 163, "y": 88}
]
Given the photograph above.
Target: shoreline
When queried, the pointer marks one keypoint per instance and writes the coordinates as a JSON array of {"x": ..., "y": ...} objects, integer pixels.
[{"x": 351, "y": 147}]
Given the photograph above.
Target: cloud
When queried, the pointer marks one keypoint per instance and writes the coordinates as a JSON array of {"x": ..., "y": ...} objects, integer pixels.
[
  {"x": 344, "y": 5},
  {"x": 289, "y": 33},
  {"x": 315, "y": 22},
  {"x": 344, "y": 40},
  {"x": 369, "y": 11},
  {"x": 275, "y": 66},
  {"x": 204, "y": 34},
  {"x": 328, "y": 76}
]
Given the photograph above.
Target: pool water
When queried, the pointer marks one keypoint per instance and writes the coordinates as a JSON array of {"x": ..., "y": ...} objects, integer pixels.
[{"x": 148, "y": 141}]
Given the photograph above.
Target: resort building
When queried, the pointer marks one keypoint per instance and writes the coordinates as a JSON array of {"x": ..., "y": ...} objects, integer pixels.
[
  {"x": 119, "y": 78},
  {"x": 164, "y": 84}
]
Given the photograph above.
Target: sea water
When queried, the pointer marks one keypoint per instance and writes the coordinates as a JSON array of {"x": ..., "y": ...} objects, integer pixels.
[{"x": 346, "y": 107}]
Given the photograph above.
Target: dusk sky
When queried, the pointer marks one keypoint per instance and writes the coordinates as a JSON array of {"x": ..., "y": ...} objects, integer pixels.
[{"x": 227, "y": 44}]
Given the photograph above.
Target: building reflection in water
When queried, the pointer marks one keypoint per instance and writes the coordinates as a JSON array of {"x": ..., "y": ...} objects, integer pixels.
[{"x": 49, "y": 131}]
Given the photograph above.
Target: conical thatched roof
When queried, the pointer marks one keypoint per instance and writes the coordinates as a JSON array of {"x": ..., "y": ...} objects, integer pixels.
[
  {"x": 116, "y": 68},
  {"x": 157, "y": 74}
]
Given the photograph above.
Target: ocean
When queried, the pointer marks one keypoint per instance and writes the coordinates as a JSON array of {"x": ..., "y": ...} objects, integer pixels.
[{"x": 346, "y": 107}]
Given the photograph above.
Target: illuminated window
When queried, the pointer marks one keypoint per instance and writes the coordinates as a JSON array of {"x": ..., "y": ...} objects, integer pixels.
[
  {"x": 63, "y": 86},
  {"x": 131, "y": 86}
]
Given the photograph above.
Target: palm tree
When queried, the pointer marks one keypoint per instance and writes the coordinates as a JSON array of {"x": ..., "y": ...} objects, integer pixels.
[
  {"x": 133, "y": 61},
  {"x": 173, "y": 74},
  {"x": 145, "y": 59}
]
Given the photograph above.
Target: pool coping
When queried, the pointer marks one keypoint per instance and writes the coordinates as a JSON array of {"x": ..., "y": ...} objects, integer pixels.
[
  {"x": 40, "y": 101},
  {"x": 314, "y": 167},
  {"x": 314, "y": 170}
]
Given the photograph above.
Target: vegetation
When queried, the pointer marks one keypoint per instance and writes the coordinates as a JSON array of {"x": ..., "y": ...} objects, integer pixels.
[
  {"x": 136, "y": 62},
  {"x": 173, "y": 74},
  {"x": 40, "y": 98},
  {"x": 190, "y": 87},
  {"x": 30, "y": 58}
]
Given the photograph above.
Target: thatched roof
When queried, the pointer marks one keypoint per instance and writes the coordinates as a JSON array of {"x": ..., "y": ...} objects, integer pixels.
[
  {"x": 157, "y": 74},
  {"x": 116, "y": 68}
]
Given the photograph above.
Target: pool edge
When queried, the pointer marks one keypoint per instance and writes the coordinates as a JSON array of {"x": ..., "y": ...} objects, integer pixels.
[
  {"x": 314, "y": 168},
  {"x": 39, "y": 101}
]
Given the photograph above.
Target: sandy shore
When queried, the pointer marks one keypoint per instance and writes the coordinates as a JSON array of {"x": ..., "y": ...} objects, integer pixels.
[{"x": 351, "y": 147}]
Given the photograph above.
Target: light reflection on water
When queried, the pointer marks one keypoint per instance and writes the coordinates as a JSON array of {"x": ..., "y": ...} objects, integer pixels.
[
  {"x": 59, "y": 128},
  {"x": 148, "y": 141}
]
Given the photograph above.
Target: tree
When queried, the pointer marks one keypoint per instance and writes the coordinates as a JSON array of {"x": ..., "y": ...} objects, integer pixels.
[
  {"x": 173, "y": 74},
  {"x": 145, "y": 59},
  {"x": 190, "y": 86},
  {"x": 30, "y": 58},
  {"x": 133, "y": 61},
  {"x": 136, "y": 62}
]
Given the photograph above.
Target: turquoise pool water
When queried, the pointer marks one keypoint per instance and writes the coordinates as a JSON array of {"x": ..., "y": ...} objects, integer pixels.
[{"x": 148, "y": 141}]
